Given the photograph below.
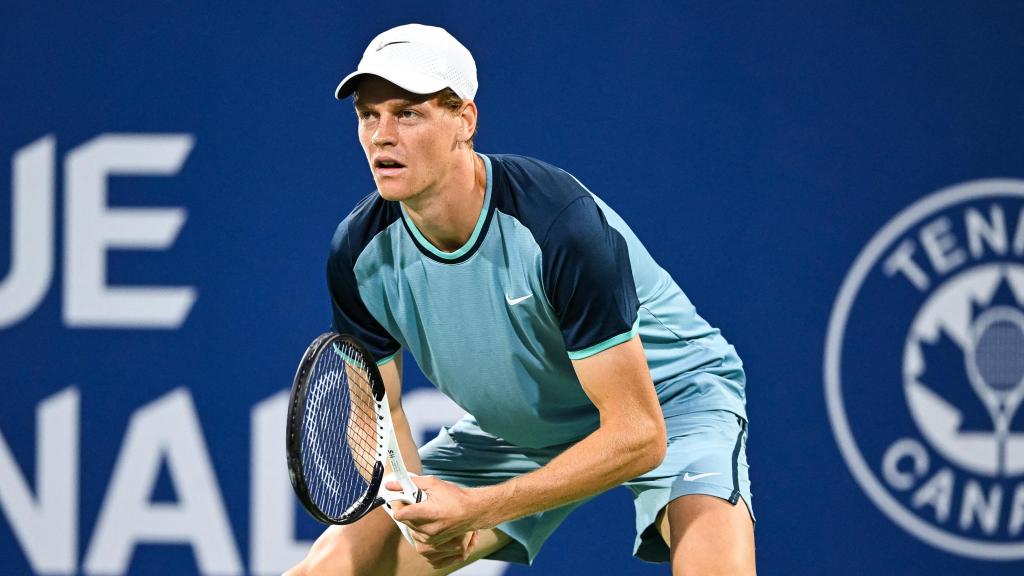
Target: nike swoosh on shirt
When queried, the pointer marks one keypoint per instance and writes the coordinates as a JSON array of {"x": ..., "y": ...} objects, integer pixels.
[
  {"x": 688, "y": 478},
  {"x": 513, "y": 301}
]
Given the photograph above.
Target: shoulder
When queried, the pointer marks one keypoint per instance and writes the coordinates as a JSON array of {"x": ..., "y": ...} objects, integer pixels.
[
  {"x": 538, "y": 180},
  {"x": 534, "y": 192},
  {"x": 368, "y": 218}
]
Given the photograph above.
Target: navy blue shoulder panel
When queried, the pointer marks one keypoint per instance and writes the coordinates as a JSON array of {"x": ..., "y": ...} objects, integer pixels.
[
  {"x": 371, "y": 216},
  {"x": 587, "y": 275}
]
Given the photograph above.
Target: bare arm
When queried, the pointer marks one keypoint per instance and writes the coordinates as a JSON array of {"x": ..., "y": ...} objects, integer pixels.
[
  {"x": 630, "y": 441},
  {"x": 391, "y": 373}
]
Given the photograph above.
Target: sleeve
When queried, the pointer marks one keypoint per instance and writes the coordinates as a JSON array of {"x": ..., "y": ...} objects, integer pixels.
[
  {"x": 349, "y": 313},
  {"x": 588, "y": 280}
]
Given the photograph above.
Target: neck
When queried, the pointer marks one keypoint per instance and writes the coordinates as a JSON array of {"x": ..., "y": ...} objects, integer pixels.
[{"x": 447, "y": 218}]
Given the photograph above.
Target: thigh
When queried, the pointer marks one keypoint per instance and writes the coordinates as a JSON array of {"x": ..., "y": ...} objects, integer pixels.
[
  {"x": 706, "y": 456},
  {"x": 708, "y": 536},
  {"x": 373, "y": 546}
]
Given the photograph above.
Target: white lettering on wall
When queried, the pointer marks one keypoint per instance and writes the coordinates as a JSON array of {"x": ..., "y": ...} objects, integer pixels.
[
  {"x": 31, "y": 232},
  {"x": 47, "y": 526},
  {"x": 273, "y": 548},
  {"x": 166, "y": 430},
  {"x": 93, "y": 227}
]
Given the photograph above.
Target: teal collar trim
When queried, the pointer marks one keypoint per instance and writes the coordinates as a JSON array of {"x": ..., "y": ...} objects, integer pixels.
[{"x": 426, "y": 245}]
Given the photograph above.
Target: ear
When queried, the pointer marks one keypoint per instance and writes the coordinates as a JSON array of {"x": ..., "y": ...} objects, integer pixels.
[{"x": 467, "y": 119}]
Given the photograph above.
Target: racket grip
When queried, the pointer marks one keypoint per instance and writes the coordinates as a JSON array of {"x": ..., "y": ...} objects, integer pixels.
[{"x": 390, "y": 496}]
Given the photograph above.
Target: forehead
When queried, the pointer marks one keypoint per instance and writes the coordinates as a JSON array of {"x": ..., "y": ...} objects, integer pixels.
[{"x": 373, "y": 90}]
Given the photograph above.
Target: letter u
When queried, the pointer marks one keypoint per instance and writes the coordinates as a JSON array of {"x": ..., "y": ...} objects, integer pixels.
[{"x": 31, "y": 231}]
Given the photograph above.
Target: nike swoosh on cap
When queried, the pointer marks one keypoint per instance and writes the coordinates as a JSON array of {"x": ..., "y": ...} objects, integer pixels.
[{"x": 382, "y": 46}]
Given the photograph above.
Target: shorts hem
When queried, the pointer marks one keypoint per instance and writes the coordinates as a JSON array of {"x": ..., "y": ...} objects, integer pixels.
[
  {"x": 514, "y": 552},
  {"x": 657, "y": 552}
]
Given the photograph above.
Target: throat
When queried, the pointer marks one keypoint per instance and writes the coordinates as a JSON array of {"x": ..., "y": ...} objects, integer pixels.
[
  {"x": 442, "y": 228},
  {"x": 447, "y": 221}
]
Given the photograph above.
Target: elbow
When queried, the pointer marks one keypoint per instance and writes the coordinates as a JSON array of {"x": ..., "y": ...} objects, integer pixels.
[
  {"x": 652, "y": 443},
  {"x": 658, "y": 447}
]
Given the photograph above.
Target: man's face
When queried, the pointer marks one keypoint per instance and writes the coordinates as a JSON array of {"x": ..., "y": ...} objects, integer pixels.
[{"x": 408, "y": 140}]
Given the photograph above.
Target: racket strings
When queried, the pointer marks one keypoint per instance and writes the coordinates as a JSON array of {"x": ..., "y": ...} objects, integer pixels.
[
  {"x": 364, "y": 426},
  {"x": 340, "y": 430}
]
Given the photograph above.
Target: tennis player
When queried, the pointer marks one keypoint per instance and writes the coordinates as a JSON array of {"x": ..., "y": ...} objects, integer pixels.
[{"x": 527, "y": 300}]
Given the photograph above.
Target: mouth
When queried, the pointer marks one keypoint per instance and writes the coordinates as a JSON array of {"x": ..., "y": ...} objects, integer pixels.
[{"x": 387, "y": 167}]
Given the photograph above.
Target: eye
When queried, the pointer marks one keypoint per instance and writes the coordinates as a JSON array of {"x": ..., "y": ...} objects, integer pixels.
[
  {"x": 408, "y": 114},
  {"x": 363, "y": 114}
]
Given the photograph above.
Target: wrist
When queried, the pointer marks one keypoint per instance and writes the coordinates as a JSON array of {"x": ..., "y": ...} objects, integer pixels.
[{"x": 492, "y": 503}]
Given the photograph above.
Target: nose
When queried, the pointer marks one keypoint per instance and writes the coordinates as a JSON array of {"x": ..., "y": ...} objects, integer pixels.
[{"x": 386, "y": 132}]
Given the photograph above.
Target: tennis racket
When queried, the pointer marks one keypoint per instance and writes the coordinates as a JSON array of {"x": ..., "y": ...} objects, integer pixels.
[{"x": 340, "y": 435}]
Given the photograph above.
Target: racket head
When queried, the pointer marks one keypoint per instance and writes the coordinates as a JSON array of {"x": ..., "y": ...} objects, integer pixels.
[{"x": 335, "y": 439}]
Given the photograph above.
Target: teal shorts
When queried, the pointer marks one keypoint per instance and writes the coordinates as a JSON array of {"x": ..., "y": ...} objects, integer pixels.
[{"x": 706, "y": 455}]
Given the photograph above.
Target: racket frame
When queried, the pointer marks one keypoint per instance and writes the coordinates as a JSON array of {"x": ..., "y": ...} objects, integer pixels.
[
  {"x": 294, "y": 429},
  {"x": 394, "y": 453}
]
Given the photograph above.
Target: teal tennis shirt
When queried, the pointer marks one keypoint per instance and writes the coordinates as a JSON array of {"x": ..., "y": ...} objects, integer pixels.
[{"x": 549, "y": 275}]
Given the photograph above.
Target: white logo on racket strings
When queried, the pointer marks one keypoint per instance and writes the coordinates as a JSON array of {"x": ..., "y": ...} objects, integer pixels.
[{"x": 513, "y": 301}]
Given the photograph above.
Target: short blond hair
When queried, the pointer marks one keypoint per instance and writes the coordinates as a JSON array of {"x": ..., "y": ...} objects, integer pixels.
[{"x": 446, "y": 98}]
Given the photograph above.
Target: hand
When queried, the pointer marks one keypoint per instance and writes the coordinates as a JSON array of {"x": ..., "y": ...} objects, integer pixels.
[
  {"x": 448, "y": 553},
  {"x": 445, "y": 525}
]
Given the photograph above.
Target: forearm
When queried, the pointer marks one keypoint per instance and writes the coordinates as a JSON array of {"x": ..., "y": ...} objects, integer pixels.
[
  {"x": 391, "y": 373},
  {"x": 406, "y": 443},
  {"x": 609, "y": 456},
  {"x": 630, "y": 440}
]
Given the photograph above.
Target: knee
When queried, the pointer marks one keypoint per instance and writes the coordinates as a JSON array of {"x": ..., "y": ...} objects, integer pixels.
[
  {"x": 723, "y": 563},
  {"x": 311, "y": 565},
  {"x": 727, "y": 565},
  {"x": 326, "y": 557},
  {"x": 297, "y": 570},
  {"x": 721, "y": 559},
  {"x": 318, "y": 564},
  {"x": 334, "y": 554}
]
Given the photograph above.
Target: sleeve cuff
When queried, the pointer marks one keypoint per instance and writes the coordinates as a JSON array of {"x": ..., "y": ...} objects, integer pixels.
[
  {"x": 602, "y": 346},
  {"x": 387, "y": 359}
]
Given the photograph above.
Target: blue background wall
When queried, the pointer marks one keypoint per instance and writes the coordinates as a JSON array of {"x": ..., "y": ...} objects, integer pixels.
[{"x": 755, "y": 148}]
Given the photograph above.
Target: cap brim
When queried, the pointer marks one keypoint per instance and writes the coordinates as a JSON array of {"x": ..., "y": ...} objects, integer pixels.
[{"x": 405, "y": 79}]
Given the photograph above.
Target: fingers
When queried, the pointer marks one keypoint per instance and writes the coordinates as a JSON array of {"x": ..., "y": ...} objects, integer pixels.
[
  {"x": 424, "y": 529},
  {"x": 415, "y": 517},
  {"x": 443, "y": 561},
  {"x": 392, "y": 485},
  {"x": 420, "y": 515},
  {"x": 421, "y": 482},
  {"x": 447, "y": 553},
  {"x": 436, "y": 519},
  {"x": 429, "y": 534},
  {"x": 446, "y": 562},
  {"x": 396, "y": 505}
]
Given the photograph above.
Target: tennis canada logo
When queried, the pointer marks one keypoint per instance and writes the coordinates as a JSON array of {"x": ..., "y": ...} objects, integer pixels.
[{"x": 924, "y": 369}]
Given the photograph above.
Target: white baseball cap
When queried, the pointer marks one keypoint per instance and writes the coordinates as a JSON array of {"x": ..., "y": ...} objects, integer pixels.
[{"x": 420, "y": 59}]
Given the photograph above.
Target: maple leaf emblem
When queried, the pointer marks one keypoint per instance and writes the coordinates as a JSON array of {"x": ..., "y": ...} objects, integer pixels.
[{"x": 998, "y": 352}]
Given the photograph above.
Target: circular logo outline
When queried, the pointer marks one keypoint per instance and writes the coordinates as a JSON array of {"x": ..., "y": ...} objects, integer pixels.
[{"x": 862, "y": 266}]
